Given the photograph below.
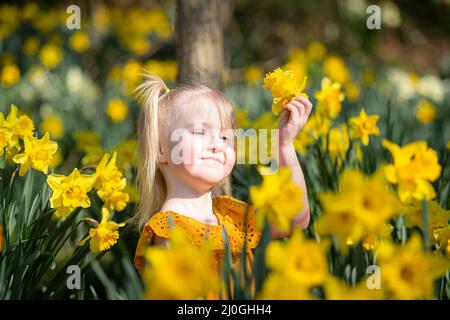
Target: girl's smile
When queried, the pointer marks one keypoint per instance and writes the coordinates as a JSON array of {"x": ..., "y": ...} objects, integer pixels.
[{"x": 215, "y": 159}]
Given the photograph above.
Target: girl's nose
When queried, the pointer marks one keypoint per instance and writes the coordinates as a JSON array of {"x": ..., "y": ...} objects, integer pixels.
[{"x": 217, "y": 144}]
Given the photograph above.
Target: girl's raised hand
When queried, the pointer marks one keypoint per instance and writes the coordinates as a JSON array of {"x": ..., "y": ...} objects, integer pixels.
[{"x": 294, "y": 118}]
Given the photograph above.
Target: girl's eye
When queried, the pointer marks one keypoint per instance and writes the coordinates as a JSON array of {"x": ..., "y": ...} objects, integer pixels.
[
  {"x": 200, "y": 132},
  {"x": 225, "y": 138}
]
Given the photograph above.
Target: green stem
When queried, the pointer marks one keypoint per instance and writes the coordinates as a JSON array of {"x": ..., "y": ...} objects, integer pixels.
[
  {"x": 425, "y": 225},
  {"x": 441, "y": 293}
]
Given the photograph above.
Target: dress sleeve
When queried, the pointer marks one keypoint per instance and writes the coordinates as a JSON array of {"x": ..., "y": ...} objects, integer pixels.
[
  {"x": 144, "y": 240},
  {"x": 243, "y": 217},
  {"x": 157, "y": 225}
]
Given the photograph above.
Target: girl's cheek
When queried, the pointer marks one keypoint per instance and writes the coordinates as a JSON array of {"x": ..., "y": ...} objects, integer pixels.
[
  {"x": 230, "y": 156},
  {"x": 197, "y": 147},
  {"x": 186, "y": 150}
]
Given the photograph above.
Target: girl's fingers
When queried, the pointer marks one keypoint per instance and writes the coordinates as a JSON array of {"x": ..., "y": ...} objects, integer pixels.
[
  {"x": 294, "y": 112},
  {"x": 304, "y": 101},
  {"x": 308, "y": 105},
  {"x": 300, "y": 107}
]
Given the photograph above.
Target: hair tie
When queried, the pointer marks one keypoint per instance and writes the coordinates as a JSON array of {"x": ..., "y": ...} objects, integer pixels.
[{"x": 166, "y": 91}]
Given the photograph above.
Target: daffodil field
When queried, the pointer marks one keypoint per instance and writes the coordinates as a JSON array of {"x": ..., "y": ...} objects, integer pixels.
[{"x": 375, "y": 154}]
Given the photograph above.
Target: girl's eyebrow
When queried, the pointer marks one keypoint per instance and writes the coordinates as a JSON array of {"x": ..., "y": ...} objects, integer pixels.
[{"x": 199, "y": 123}]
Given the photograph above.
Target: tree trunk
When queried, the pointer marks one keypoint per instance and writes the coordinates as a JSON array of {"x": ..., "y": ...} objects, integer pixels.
[
  {"x": 199, "y": 31},
  {"x": 199, "y": 35}
]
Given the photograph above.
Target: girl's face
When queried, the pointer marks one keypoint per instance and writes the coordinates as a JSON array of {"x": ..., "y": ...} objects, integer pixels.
[{"x": 200, "y": 152}]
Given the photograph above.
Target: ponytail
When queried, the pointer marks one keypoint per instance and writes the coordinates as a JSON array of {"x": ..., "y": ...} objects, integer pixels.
[{"x": 150, "y": 181}]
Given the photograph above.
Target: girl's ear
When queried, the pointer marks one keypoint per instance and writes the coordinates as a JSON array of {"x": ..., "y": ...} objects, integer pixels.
[{"x": 162, "y": 155}]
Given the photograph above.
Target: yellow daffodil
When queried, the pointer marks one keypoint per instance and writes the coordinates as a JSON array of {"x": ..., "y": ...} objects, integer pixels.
[
  {"x": 50, "y": 56},
  {"x": 70, "y": 192},
  {"x": 341, "y": 222},
  {"x": 335, "y": 68},
  {"x": 79, "y": 41},
  {"x": 297, "y": 54},
  {"x": 117, "y": 110},
  {"x": 352, "y": 91},
  {"x": 57, "y": 159},
  {"x": 317, "y": 126},
  {"x": 438, "y": 225},
  {"x": 298, "y": 68},
  {"x": 299, "y": 260},
  {"x": 38, "y": 154},
  {"x": 114, "y": 196},
  {"x": 107, "y": 173},
  {"x": 10, "y": 16},
  {"x": 266, "y": 120},
  {"x": 10, "y": 74},
  {"x": 373, "y": 203},
  {"x": 371, "y": 241},
  {"x": 316, "y": 50},
  {"x": 20, "y": 126},
  {"x": 414, "y": 168},
  {"x": 329, "y": 98},
  {"x": 139, "y": 45},
  {"x": 93, "y": 155},
  {"x": 104, "y": 235},
  {"x": 284, "y": 85},
  {"x": 338, "y": 143},
  {"x": 408, "y": 272},
  {"x": 46, "y": 22},
  {"x": 336, "y": 289},
  {"x": 182, "y": 271},
  {"x": 444, "y": 242},
  {"x": 253, "y": 74},
  {"x": 5, "y": 136},
  {"x": 242, "y": 118},
  {"x": 160, "y": 25},
  {"x": 436, "y": 215},
  {"x": 359, "y": 153},
  {"x": 278, "y": 198},
  {"x": 30, "y": 10},
  {"x": 85, "y": 139},
  {"x": 302, "y": 141},
  {"x": 31, "y": 46},
  {"x": 362, "y": 206},
  {"x": 295, "y": 266},
  {"x": 110, "y": 184},
  {"x": 363, "y": 125},
  {"x": 167, "y": 70},
  {"x": 278, "y": 287},
  {"x": 426, "y": 112},
  {"x": 132, "y": 75},
  {"x": 54, "y": 126}
]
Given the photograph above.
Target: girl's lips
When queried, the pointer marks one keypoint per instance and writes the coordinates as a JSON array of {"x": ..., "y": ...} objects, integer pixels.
[{"x": 213, "y": 158}]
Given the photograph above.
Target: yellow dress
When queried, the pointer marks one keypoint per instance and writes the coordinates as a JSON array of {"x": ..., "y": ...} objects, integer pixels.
[{"x": 232, "y": 214}]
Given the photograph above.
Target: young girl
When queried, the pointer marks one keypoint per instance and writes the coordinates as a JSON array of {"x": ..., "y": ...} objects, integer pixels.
[{"x": 194, "y": 194}]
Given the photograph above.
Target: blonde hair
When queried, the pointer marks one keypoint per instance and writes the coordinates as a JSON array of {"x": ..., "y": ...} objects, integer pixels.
[{"x": 158, "y": 104}]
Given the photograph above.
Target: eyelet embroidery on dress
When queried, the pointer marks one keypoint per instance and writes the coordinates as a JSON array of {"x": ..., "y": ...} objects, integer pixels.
[{"x": 231, "y": 214}]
